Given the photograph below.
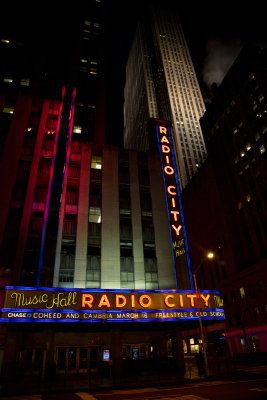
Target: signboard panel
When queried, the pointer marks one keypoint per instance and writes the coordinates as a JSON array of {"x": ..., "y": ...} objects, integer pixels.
[
  {"x": 174, "y": 206},
  {"x": 89, "y": 305}
]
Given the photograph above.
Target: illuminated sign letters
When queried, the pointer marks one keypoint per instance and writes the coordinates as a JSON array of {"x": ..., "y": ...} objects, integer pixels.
[
  {"x": 92, "y": 305},
  {"x": 174, "y": 206}
]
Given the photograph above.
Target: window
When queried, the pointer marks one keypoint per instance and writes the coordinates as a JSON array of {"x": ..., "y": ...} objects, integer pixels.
[
  {"x": 8, "y": 110},
  {"x": 25, "y": 82},
  {"x": 66, "y": 278},
  {"x": 242, "y": 293},
  {"x": 8, "y": 79},
  {"x": 127, "y": 272},
  {"x": 96, "y": 162},
  {"x": 93, "y": 271},
  {"x": 262, "y": 149},
  {"x": 77, "y": 129},
  {"x": 95, "y": 214}
]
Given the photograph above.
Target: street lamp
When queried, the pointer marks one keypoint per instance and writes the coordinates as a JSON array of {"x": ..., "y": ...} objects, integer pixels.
[{"x": 210, "y": 256}]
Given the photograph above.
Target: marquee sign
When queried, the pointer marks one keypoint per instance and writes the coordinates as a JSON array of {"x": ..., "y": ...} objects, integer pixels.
[
  {"x": 174, "y": 206},
  {"x": 92, "y": 305}
]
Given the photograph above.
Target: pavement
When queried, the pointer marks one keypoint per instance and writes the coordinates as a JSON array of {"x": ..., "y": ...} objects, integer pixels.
[{"x": 218, "y": 369}]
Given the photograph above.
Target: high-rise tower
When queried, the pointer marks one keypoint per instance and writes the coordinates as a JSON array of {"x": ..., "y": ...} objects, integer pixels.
[{"x": 161, "y": 82}]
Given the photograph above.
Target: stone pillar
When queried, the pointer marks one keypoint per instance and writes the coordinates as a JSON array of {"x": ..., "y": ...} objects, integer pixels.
[
  {"x": 110, "y": 232},
  {"x": 82, "y": 218},
  {"x": 139, "y": 271}
]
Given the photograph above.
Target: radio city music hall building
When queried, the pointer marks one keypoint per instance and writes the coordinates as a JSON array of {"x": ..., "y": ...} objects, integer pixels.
[
  {"x": 109, "y": 279},
  {"x": 95, "y": 266}
]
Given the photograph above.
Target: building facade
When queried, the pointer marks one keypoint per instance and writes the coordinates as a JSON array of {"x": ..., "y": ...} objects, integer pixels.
[
  {"x": 83, "y": 222},
  {"x": 230, "y": 189},
  {"x": 161, "y": 83}
]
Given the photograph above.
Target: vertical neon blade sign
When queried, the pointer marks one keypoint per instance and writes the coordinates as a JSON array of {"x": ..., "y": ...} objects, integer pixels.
[{"x": 174, "y": 206}]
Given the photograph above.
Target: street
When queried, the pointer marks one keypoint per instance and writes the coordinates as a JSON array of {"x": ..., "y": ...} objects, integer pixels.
[{"x": 253, "y": 389}]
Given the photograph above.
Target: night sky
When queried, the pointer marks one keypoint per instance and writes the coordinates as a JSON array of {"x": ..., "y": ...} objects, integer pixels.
[{"x": 215, "y": 33}]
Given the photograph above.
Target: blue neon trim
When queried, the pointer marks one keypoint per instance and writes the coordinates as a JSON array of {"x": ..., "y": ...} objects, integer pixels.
[
  {"x": 109, "y": 320},
  {"x": 132, "y": 291},
  {"x": 134, "y": 311}
]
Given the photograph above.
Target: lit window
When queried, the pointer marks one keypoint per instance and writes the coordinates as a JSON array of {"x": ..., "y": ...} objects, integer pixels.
[
  {"x": 93, "y": 71},
  {"x": 248, "y": 198},
  {"x": 8, "y": 110},
  {"x": 5, "y": 40},
  {"x": 25, "y": 82},
  {"x": 242, "y": 292},
  {"x": 88, "y": 23},
  {"x": 262, "y": 149},
  {"x": 242, "y": 153},
  {"x": 95, "y": 215},
  {"x": 96, "y": 162},
  {"x": 248, "y": 146},
  {"x": 239, "y": 205},
  {"x": 8, "y": 79},
  {"x": 77, "y": 129},
  {"x": 84, "y": 60}
]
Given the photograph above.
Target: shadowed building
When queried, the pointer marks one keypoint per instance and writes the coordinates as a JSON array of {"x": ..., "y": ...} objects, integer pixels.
[{"x": 230, "y": 189}]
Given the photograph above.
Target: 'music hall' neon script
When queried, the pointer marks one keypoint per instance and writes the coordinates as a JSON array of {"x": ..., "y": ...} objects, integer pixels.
[
  {"x": 98, "y": 305},
  {"x": 174, "y": 204}
]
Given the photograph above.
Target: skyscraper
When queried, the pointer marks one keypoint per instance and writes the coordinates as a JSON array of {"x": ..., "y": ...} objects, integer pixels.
[{"x": 161, "y": 83}]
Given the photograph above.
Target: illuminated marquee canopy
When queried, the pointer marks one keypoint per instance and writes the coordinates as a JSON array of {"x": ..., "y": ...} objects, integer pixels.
[
  {"x": 92, "y": 305},
  {"x": 174, "y": 206}
]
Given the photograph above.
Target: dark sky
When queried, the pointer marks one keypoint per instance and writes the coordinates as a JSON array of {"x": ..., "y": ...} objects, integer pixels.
[{"x": 215, "y": 32}]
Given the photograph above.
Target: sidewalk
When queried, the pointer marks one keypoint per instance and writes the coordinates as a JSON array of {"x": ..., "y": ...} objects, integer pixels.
[{"x": 218, "y": 369}]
